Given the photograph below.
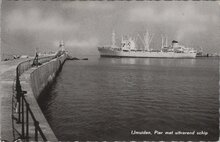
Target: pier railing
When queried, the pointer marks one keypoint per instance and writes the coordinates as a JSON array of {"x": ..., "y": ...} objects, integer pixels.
[
  {"x": 24, "y": 110},
  {"x": 23, "y": 66}
]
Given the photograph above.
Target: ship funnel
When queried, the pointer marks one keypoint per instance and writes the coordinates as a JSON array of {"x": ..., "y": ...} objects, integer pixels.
[{"x": 174, "y": 43}]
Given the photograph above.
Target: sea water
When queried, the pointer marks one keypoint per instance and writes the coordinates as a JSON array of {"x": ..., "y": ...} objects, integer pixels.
[{"x": 134, "y": 99}]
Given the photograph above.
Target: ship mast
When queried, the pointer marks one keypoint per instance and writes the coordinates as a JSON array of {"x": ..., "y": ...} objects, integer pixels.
[
  {"x": 147, "y": 40},
  {"x": 113, "y": 38},
  {"x": 142, "y": 41},
  {"x": 166, "y": 45},
  {"x": 162, "y": 42}
]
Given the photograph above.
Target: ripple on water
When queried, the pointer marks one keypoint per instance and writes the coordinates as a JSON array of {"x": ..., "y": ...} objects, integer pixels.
[{"x": 104, "y": 99}]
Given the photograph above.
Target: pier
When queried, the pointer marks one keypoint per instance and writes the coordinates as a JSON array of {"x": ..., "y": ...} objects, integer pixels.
[{"x": 20, "y": 85}]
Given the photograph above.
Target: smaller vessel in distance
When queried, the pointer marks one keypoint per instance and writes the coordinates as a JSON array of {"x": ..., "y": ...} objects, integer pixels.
[{"x": 128, "y": 49}]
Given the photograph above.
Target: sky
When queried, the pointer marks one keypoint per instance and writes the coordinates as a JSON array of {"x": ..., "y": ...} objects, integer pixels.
[{"x": 84, "y": 25}]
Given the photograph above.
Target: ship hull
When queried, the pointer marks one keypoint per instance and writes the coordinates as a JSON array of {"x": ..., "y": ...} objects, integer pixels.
[{"x": 142, "y": 54}]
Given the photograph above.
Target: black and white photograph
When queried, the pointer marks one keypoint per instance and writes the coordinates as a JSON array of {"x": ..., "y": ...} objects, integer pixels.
[{"x": 109, "y": 70}]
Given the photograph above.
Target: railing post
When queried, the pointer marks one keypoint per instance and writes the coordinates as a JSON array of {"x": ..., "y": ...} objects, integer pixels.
[
  {"x": 36, "y": 123},
  {"x": 22, "y": 111},
  {"x": 19, "y": 107},
  {"x": 18, "y": 94},
  {"x": 27, "y": 121}
]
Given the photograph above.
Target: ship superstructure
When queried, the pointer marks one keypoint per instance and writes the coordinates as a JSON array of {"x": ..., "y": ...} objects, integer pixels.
[{"x": 128, "y": 48}]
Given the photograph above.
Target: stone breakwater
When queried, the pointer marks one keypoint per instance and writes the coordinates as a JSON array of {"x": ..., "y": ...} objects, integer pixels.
[
  {"x": 33, "y": 80},
  {"x": 44, "y": 74}
]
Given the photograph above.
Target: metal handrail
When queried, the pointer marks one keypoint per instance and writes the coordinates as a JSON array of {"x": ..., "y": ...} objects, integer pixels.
[
  {"x": 25, "y": 65},
  {"x": 25, "y": 104},
  {"x": 22, "y": 102}
]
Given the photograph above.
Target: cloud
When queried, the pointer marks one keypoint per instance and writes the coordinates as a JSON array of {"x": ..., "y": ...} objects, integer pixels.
[
  {"x": 184, "y": 20},
  {"x": 172, "y": 14},
  {"x": 88, "y": 5},
  {"x": 91, "y": 42},
  {"x": 33, "y": 20},
  {"x": 189, "y": 29}
]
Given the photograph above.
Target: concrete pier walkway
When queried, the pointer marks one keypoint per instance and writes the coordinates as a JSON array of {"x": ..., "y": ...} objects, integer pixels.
[
  {"x": 10, "y": 130},
  {"x": 7, "y": 78}
]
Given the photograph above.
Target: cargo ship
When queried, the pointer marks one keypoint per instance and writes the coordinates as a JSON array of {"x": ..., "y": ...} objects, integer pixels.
[{"x": 128, "y": 48}]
